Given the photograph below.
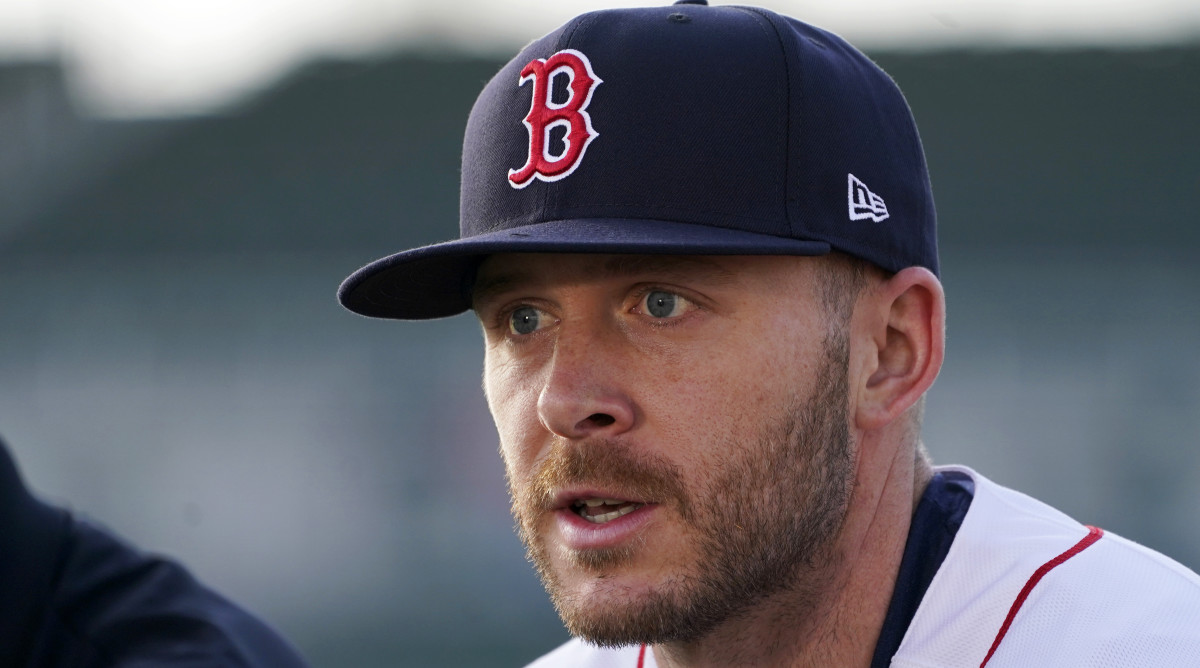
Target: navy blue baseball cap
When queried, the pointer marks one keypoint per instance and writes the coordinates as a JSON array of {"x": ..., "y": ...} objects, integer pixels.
[{"x": 680, "y": 130}]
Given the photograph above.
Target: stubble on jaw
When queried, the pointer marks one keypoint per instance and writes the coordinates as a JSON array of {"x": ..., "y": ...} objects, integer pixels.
[{"x": 763, "y": 522}]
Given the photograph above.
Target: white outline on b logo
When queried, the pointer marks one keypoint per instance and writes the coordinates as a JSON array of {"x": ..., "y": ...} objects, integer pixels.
[{"x": 544, "y": 115}]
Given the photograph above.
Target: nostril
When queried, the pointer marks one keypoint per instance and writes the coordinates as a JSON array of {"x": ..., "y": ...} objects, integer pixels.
[{"x": 601, "y": 419}]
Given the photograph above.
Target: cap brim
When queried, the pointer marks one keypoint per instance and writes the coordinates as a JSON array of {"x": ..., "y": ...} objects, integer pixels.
[{"x": 435, "y": 281}]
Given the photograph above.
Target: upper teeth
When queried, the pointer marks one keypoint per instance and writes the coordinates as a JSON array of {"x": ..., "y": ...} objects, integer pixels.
[{"x": 592, "y": 503}]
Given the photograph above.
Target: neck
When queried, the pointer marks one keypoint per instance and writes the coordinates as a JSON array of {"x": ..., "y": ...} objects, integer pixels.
[{"x": 832, "y": 616}]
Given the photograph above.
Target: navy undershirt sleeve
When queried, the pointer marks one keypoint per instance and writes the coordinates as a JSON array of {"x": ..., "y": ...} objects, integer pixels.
[{"x": 938, "y": 516}]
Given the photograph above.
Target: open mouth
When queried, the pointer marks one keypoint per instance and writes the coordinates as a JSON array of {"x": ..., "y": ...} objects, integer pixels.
[{"x": 599, "y": 511}]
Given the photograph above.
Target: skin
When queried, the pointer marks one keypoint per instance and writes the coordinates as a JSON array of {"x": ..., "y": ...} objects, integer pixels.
[{"x": 592, "y": 384}]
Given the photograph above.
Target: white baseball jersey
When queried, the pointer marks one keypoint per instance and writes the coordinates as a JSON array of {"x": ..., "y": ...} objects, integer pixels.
[{"x": 1024, "y": 585}]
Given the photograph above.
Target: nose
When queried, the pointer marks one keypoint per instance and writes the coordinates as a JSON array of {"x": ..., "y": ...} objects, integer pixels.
[{"x": 583, "y": 396}]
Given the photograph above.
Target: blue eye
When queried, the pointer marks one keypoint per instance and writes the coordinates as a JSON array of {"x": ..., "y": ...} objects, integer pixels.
[
  {"x": 662, "y": 304},
  {"x": 524, "y": 320}
]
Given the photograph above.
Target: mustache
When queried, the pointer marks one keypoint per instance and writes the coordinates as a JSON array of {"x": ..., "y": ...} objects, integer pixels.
[{"x": 615, "y": 466}]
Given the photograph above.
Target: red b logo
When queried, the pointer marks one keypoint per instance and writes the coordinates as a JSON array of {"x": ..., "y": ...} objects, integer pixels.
[{"x": 544, "y": 115}]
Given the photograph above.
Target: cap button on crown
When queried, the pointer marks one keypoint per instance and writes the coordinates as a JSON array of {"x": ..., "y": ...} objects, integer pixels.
[{"x": 691, "y": 2}]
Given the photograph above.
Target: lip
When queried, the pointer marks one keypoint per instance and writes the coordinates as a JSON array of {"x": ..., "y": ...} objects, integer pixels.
[{"x": 580, "y": 534}]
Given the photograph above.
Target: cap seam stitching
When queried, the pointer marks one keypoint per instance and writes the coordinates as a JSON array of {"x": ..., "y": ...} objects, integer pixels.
[{"x": 787, "y": 126}]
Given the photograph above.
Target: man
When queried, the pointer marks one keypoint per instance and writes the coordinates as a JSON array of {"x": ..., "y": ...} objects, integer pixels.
[
  {"x": 701, "y": 243},
  {"x": 74, "y": 596}
]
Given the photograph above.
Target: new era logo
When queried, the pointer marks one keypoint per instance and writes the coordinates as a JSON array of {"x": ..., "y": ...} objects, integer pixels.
[{"x": 864, "y": 204}]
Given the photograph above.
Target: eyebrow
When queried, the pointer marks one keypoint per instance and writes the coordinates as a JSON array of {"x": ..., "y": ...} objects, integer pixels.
[{"x": 618, "y": 266}]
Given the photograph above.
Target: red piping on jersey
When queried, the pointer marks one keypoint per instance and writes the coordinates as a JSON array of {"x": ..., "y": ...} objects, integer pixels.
[{"x": 1093, "y": 535}]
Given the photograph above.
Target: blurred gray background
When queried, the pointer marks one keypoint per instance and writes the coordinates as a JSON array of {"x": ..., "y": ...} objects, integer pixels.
[{"x": 173, "y": 361}]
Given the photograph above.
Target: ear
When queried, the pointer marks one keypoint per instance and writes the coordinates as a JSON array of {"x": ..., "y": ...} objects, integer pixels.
[{"x": 906, "y": 323}]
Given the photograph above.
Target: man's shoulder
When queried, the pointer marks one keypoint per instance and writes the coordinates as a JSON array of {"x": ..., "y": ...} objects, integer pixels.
[
  {"x": 1025, "y": 580},
  {"x": 1006, "y": 530},
  {"x": 576, "y": 653}
]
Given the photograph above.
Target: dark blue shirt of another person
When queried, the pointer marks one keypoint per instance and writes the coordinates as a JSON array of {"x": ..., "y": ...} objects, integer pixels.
[{"x": 72, "y": 595}]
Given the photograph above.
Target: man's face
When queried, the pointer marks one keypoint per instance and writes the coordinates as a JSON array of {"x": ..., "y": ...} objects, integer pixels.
[{"x": 674, "y": 431}]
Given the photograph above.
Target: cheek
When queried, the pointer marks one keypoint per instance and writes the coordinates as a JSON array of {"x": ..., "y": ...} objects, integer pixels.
[
  {"x": 512, "y": 395},
  {"x": 731, "y": 389}
]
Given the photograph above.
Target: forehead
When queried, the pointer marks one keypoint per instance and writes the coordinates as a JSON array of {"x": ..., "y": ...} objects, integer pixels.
[{"x": 507, "y": 271}]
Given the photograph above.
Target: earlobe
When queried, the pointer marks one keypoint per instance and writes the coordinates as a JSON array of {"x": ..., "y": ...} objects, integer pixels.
[{"x": 909, "y": 335}]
